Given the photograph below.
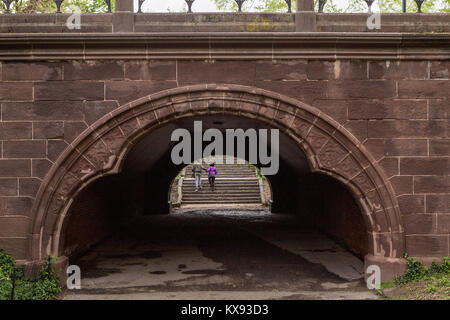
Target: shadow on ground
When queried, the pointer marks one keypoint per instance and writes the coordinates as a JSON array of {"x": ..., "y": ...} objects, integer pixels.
[{"x": 212, "y": 254}]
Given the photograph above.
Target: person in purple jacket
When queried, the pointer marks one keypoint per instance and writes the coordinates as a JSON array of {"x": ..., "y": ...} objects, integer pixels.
[{"x": 212, "y": 171}]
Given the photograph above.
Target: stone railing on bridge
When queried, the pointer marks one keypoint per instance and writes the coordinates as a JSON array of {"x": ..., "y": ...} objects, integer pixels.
[{"x": 305, "y": 19}]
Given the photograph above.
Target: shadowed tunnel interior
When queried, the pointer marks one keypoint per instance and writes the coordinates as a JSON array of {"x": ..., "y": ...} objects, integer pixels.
[{"x": 141, "y": 189}]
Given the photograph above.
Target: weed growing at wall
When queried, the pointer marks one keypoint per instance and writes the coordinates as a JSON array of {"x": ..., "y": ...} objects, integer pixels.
[
  {"x": 420, "y": 282},
  {"x": 416, "y": 270},
  {"x": 44, "y": 286}
]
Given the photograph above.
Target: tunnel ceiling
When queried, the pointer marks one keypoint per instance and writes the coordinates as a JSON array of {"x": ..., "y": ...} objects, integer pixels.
[{"x": 154, "y": 145}]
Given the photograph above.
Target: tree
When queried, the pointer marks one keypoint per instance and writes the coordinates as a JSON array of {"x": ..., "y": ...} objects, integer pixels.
[
  {"x": 90, "y": 5},
  {"x": 48, "y": 6},
  {"x": 332, "y": 7},
  {"x": 258, "y": 5}
]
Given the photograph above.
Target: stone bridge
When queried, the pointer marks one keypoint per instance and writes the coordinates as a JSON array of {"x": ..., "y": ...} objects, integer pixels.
[{"x": 86, "y": 117}]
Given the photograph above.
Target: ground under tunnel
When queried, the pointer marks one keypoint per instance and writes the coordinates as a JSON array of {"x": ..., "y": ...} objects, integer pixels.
[{"x": 119, "y": 230}]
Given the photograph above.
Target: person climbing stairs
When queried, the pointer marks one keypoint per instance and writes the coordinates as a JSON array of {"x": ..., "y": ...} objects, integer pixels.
[{"x": 235, "y": 184}]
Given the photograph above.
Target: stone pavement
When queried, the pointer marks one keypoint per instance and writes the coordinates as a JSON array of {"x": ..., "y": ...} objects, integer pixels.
[{"x": 222, "y": 255}]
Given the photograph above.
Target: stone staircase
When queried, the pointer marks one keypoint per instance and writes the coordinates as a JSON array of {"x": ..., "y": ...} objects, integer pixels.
[{"x": 235, "y": 184}]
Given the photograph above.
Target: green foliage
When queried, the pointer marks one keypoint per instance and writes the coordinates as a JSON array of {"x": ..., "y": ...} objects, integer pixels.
[
  {"x": 258, "y": 5},
  {"x": 48, "y": 6},
  {"x": 88, "y": 6},
  {"x": 273, "y": 6},
  {"x": 44, "y": 286},
  {"x": 99, "y": 6},
  {"x": 332, "y": 7},
  {"x": 417, "y": 271},
  {"x": 31, "y": 6}
]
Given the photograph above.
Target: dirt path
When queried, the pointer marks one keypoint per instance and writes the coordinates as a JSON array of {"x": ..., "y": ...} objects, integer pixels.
[{"x": 219, "y": 255}]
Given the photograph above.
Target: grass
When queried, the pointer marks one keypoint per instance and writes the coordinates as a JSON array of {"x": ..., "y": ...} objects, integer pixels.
[{"x": 419, "y": 282}]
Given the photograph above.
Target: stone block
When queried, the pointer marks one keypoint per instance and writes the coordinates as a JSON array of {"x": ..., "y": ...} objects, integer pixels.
[
  {"x": 411, "y": 204},
  {"x": 16, "y": 91},
  {"x": 14, "y": 227},
  {"x": 424, "y": 166},
  {"x": 361, "y": 89},
  {"x": 28, "y": 187},
  {"x": 424, "y": 89},
  {"x": 402, "y": 184},
  {"x": 432, "y": 184},
  {"x": 350, "y": 70},
  {"x": 15, "y": 168},
  {"x": 48, "y": 130},
  {"x": 406, "y": 147},
  {"x": 25, "y": 149},
  {"x": 150, "y": 70},
  {"x": 39, "y": 71},
  {"x": 398, "y": 70},
  {"x": 234, "y": 72},
  {"x": 406, "y": 129},
  {"x": 94, "y": 110},
  {"x": 16, "y": 206},
  {"x": 126, "y": 91},
  {"x": 427, "y": 245},
  {"x": 15, "y": 130},
  {"x": 320, "y": 70},
  {"x": 419, "y": 223},
  {"x": 387, "y": 109},
  {"x": 440, "y": 70},
  {"x": 69, "y": 90},
  {"x": 40, "y": 167},
  {"x": 98, "y": 70},
  {"x": 443, "y": 223},
  {"x": 43, "y": 110},
  {"x": 439, "y": 147},
  {"x": 439, "y": 108},
  {"x": 8, "y": 187},
  {"x": 281, "y": 70},
  {"x": 438, "y": 203}
]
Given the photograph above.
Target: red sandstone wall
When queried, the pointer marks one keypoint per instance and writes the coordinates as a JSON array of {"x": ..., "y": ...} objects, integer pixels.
[
  {"x": 328, "y": 205},
  {"x": 398, "y": 110}
]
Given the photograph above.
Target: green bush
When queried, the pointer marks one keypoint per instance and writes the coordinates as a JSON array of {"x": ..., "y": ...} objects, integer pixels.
[
  {"x": 415, "y": 270},
  {"x": 44, "y": 286}
]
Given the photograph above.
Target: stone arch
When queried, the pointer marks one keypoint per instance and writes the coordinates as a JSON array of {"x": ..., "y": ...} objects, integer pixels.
[{"x": 329, "y": 147}]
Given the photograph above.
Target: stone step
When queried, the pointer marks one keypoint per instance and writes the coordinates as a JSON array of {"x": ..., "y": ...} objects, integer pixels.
[
  {"x": 237, "y": 189},
  {"x": 207, "y": 192},
  {"x": 207, "y": 189},
  {"x": 234, "y": 171},
  {"x": 219, "y": 201},
  {"x": 226, "y": 186},
  {"x": 220, "y": 195},
  {"x": 228, "y": 176},
  {"x": 225, "y": 183},
  {"x": 228, "y": 173},
  {"x": 235, "y": 184},
  {"x": 225, "y": 179}
]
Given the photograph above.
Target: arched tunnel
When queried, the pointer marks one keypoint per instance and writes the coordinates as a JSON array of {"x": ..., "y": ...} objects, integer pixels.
[{"x": 134, "y": 203}]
